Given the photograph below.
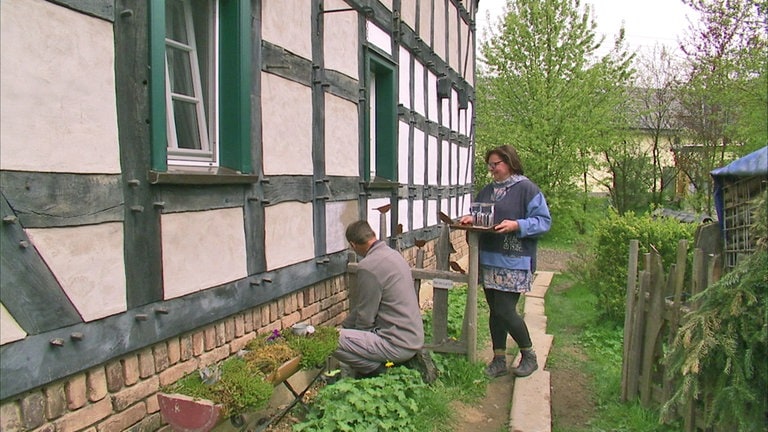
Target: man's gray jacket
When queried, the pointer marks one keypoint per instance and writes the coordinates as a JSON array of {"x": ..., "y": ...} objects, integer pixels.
[{"x": 384, "y": 300}]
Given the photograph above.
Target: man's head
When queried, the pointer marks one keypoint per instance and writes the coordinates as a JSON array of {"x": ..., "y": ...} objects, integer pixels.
[{"x": 360, "y": 236}]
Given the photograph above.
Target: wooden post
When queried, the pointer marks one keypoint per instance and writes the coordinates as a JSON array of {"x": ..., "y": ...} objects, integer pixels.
[
  {"x": 652, "y": 328},
  {"x": 440, "y": 296},
  {"x": 698, "y": 276},
  {"x": 636, "y": 344},
  {"x": 628, "y": 314},
  {"x": 714, "y": 269},
  {"x": 678, "y": 277},
  {"x": 470, "y": 330},
  {"x": 382, "y": 226},
  {"x": 420, "y": 265}
]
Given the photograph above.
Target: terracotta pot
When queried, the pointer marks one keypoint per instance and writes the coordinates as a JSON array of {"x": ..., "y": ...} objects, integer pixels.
[{"x": 187, "y": 414}]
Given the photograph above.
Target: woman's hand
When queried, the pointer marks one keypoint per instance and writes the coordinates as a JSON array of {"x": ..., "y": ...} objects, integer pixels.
[
  {"x": 507, "y": 226},
  {"x": 467, "y": 220}
]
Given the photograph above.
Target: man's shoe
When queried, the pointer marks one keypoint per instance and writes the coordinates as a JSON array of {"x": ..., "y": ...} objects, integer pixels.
[
  {"x": 527, "y": 364},
  {"x": 497, "y": 367}
]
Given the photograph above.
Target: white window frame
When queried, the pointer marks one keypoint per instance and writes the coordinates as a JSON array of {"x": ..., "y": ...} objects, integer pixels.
[{"x": 208, "y": 125}]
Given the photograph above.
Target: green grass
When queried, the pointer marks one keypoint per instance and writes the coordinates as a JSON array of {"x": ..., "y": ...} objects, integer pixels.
[{"x": 582, "y": 342}]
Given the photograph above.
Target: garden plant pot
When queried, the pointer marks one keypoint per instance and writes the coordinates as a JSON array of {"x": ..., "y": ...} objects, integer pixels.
[
  {"x": 187, "y": 414},
  {"x": 285, "y": 371}
]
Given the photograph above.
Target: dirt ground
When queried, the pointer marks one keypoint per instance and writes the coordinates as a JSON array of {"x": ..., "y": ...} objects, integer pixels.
[{"x": 571, "y": 402}]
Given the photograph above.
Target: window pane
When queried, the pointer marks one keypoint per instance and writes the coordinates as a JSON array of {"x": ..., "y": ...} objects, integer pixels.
[
  {"x": 175, "y": 21},
  {"x": 187, "y": 128},
  {"x": 180, "y": 71}
]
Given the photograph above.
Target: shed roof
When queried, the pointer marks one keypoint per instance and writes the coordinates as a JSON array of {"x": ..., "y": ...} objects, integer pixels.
[{"x": 754, "y": 164}]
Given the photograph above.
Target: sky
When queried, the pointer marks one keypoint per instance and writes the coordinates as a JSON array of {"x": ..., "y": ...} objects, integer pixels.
[{"x": 647, "y": 22}]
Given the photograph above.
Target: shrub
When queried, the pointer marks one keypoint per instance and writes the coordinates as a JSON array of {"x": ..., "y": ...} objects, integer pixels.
[{"x": 607, "y": 272}]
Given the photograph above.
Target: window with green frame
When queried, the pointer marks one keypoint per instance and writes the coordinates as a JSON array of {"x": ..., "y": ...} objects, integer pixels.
[
  {"x": 381, "y": 118},
  {"x": 200, "y": 60}
]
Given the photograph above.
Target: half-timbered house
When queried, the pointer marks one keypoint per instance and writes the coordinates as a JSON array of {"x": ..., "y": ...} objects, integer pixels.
[{"x": 177, "y": 175}]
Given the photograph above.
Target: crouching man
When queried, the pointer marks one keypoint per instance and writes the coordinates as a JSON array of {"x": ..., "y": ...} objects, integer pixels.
[{"x": 384, "y": 322}]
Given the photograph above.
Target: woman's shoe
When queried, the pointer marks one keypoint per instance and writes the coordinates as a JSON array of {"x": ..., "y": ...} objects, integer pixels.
[
  {"x": 497, "y": 367},
  {"x": 528, "y": 364}
]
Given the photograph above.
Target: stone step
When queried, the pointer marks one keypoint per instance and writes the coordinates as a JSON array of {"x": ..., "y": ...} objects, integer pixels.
[
  {"x": 531, "y": 396},
  {"x": 531, "y": 404}
]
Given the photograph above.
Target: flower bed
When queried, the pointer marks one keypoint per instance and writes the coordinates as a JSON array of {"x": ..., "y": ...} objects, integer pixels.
[{"x": 243, "y": 383}]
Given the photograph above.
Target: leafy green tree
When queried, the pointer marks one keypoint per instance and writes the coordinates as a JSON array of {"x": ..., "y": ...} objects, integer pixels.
[
  {"x": 631, "y": 178},
  {"x": 725, "y": 99},
  {"x": 653, "y": 106},
  {"x": 543, "y": 90}
]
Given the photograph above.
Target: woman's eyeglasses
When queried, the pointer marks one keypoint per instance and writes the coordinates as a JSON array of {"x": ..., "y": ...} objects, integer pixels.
[{"x": 492, "y": 165}]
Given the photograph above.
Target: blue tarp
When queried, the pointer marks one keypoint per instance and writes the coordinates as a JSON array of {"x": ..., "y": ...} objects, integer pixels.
[{"x": 753, "y": 164}]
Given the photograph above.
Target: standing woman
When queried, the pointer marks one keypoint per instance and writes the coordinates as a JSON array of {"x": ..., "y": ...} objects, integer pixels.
[{"x": 508, "y": 254}]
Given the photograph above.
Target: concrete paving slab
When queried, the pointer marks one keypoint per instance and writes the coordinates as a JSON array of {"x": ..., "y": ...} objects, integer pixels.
[
  {"x": 531, "y": 397},
  {"x": 531, "y": 406},
  {"x": 544, "y": 277},
  {"x": 540, "y": 284}
]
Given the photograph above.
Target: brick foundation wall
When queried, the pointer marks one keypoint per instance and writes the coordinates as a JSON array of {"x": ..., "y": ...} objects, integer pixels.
[{"x": 121, "y": 394}]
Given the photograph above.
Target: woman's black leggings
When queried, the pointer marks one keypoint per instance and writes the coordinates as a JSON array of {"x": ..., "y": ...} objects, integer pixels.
[{"x": 504, "y": 319}]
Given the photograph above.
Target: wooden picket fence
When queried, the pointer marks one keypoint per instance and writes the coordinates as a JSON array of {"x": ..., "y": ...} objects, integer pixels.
[{"x": 656, "y": 302}]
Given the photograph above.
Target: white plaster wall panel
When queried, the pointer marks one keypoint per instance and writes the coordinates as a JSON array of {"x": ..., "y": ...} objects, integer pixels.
[
  {"x": 379, "y": 38},
  {"x": 465, "y": 166},
  {"x": 418, "y": 214},
  {"x": 202, "y": 250},
  {"x": 432, "y": 96},
  {"x": 10, "y": 330},
  {"x": 88, "y": 263},
  {"x": 418, "y": 88},
  {"x": 431, "y": 213},
  {"x": 403, "y": 213},
  {"x": 338, "y": 215},
  {"x": 470, "y": 114},
  {"x": 289, "y": 234},
  {"x": 57, "y": 92},
  {"x": 419, "y": 144},
  {"x": 445, "y": 158},
  {"x": 432, "y": 160},
  {"x": 469, "y": 71},
  {"x": 374, "y": 216},
  {"x": 454, "y": 110},
  {"x": 404, "y": 84},
  {"x": 340, "y": 39},
  {"x": 403, "y": 152},
  {"x": 445, "y": 108},
  {"x": 288, "y": 24},
  {"x": 466, "y": 200},
  {"x": 408, "y": 13},
  {"x": 455, "y": 58},
  {"x": 456, "y": 168},
  {"x": 286, "y": 126},
  {"x": 341, "y": 137},
  {"x": 463, "y": 122},
  {"x": 425, "y": 22},
  {"x": 440, "y": 28},
  {"x": 446, "y": 207}
]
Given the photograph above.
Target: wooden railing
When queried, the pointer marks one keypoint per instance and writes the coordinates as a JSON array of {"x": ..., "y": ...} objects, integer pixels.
[{"x": 656, "y": 304}]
